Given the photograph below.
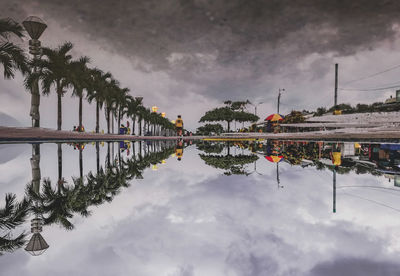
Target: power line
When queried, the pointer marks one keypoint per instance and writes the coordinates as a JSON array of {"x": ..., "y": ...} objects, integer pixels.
[
  {"x": 373, "y": 75},
  {"x": 370, "y": 89}
]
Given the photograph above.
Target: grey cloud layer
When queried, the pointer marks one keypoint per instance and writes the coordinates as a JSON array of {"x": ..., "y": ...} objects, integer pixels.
[
  {"x": 208, "y": 41},
  {"x": 185, "y": 53}
]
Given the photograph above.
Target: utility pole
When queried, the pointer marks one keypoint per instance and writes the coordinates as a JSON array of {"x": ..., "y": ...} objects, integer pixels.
[
  {"x": 336, "y": 84},
  {"x": 279, "y": 98}
]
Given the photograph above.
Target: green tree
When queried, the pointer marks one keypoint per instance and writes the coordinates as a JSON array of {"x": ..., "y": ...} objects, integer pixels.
[
  {"x": 99, "y": 82},
  {"x": 54, "y": 70},
  {"x": 294, "y": 117},
  {"x": 81, "y": 80},
  {"x": 208, "y": 129},
  {"x": 233, "y": 111}
]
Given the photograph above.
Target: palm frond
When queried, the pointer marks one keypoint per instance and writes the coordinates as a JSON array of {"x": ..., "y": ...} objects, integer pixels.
[{"x": 8, "y": 27}]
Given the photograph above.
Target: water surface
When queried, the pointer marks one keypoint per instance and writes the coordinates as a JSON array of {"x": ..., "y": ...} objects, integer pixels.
[{"x": 223, "y": 209}]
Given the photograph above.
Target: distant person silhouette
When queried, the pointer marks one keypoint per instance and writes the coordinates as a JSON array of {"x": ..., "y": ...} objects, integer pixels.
[{"x": 179, "y": 126}]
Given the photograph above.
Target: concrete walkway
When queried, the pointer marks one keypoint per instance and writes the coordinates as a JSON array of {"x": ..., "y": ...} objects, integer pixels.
[{"x": 16, "y": 134}]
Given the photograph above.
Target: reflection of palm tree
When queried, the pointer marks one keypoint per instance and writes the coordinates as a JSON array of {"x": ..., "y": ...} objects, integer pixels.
[
  {"x": 12, "y": 215},
  {"x": 80, "y": 162},
  {"x": 53, "y": 204},
  {"x": 97, "y": 157}
]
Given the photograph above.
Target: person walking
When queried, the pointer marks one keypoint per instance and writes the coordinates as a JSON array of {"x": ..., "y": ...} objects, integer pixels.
[{"x": 179, "y": 126}]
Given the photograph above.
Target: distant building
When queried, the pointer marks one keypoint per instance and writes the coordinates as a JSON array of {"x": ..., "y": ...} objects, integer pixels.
[{"x": 393, "y": 100}]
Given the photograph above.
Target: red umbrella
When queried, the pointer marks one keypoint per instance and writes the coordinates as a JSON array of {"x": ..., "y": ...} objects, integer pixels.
[{"x": 274, "y": 117}]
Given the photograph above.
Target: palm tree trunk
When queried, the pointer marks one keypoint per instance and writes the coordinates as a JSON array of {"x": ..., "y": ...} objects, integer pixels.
[
  {"x": 140, "y": 127},
  {"x": 80, "y": 112},
  {"x": 229, "y": 126},
  {"x": 108, "y": 119},
  {"x": 112, "y": 122},
  {"x": 119, "y": 120},
  {"x": 35, "y": 102},
  {"x": 59, "y": 111},
  {"x": 97, "y": 116}
]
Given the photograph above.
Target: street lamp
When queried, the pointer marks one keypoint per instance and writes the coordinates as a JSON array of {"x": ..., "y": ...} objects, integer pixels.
[
  {"x": 154, "y": 109},
  {"x": 255, "y": 106},
  {"x": 34, "y": 27},
  {"x": 163, "y": 114}
]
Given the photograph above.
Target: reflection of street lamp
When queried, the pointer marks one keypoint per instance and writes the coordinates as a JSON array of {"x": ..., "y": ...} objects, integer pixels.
[
  {"x": 36, "y": 245},
  {"x": 34, "y": 27}
]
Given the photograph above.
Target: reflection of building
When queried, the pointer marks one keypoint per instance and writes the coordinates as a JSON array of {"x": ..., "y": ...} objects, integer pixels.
[
  {"x": 348, "y": 149},
  {"x": 394, "y": 177}
]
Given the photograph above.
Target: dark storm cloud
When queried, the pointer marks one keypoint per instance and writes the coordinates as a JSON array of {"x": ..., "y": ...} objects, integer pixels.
[
  {"x": 176, "y": 53},
  {"x": 356, "y": 267},
  {"x": 198, "y": 40},
  {"x": 245, "y": 33}
]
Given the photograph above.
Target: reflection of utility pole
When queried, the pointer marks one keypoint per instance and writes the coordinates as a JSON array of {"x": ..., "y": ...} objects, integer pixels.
[
  {"x": 277, "y": 176},
  {"x": 334, "y": 191},
  {"x": 279, "y": 98}
]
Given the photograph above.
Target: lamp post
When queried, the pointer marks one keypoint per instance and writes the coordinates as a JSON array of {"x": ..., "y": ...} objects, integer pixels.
[
  {"x": 34, "y": 27},
  {"x": 279, "y": 98},
  {"x": 255, "y": 106}
]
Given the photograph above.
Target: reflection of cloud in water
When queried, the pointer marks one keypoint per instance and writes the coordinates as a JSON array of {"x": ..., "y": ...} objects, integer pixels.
[
  {"x": 188, "y": 219},
  {"x": 10, "y": 152}
]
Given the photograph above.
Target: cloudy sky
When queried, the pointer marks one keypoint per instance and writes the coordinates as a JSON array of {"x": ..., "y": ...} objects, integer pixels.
[
  {"x": 189, "y": 56},
  {"x": 189, "y": 219}
]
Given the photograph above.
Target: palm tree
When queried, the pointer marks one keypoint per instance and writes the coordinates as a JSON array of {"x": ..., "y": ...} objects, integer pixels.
[
  {"x": 121, "y": 102},
  {"x": 81, "y": 80},
  {"x": 98, "y": 92},
  {"x": 133, "y": 110},
  {"x": 54, "y": 70},
  {"x": 53, "y": 204},
  {"x": 12, "y": 215},
  {"x": 112, "y": 89},
  {"x": 12, "y": 57}
]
